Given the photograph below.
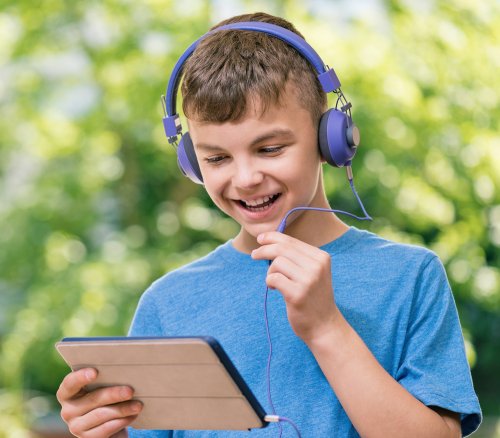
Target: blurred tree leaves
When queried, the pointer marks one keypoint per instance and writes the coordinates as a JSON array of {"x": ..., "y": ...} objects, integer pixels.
[{"x": 93, "y": 207}]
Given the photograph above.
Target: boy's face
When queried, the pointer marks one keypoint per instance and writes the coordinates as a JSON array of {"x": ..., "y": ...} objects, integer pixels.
[{"x": 258, "y": 168}]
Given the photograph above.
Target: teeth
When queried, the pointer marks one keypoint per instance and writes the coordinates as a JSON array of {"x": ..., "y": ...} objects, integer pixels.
[{"x": 259, "y": 201}]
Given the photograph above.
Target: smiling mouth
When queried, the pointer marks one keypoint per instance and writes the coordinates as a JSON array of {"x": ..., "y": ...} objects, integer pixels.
[{"x": 259, "y": 204}]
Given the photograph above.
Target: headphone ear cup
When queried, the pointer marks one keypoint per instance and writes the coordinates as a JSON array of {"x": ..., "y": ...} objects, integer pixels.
[
  {"x": 332, "y": 138},
  {"x": 187, "y": 161}
]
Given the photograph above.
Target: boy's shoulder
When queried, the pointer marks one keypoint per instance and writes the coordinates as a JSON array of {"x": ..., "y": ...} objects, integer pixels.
[
  {"x": 371, "y": 255},
  {"x": 371, "y": 246},
  {"x": 220, "y": 261}
]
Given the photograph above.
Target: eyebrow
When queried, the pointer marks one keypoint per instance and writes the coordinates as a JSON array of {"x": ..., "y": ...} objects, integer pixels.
[{"x": 279, "y": 132}]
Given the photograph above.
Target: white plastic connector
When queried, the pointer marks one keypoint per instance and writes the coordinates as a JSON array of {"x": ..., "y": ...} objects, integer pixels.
[
  {"x": 272, "y": 418},
  {"x": 348, "y": 170}
]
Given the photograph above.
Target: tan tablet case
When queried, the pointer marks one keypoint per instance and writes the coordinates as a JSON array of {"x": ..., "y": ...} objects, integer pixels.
[{"x": 181, "y": 381}]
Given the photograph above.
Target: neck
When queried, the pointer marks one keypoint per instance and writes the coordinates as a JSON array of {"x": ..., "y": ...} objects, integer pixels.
[{"x": 315, "y": 227}]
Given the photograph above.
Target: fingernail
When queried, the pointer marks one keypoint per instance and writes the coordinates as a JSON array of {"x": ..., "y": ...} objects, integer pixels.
[
  {"x": 260, "y": 237},
  {"x": 89, "y": 374},
  {"x": 125, "y": 392},
  {"x": 136, "y": 407}
]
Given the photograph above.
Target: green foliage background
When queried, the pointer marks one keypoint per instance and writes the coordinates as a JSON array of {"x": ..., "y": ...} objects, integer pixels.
[{"x": 93, "y": 207}]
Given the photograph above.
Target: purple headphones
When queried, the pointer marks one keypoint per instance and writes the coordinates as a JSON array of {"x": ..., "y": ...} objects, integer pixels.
[{"x": 338, "y": 135}]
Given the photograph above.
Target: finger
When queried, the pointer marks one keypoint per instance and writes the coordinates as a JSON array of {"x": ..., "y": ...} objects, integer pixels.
[
  {"x": 282, "y": 284},
  {"x": 113, "y": 428},
  {"x": 289, "y": 268},
  {"x": 294, "y": 283},
  {"x": 94, "y": 399},
  {"x": 99, "y": 417},
  {"x": 107, "y": 396},
  {"x": 304, "y": 260},
  {"x": 270, "y": 251},
  {"x": 270, "y": 237},
  {"x": 74, "y": 383},
  {"x": 274, "y": 243}
]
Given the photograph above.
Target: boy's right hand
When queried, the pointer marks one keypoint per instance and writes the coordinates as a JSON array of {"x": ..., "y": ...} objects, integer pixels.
[{"x": 101, "y": 413}]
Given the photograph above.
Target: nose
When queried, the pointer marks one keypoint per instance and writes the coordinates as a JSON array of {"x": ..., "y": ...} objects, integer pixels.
[{"x": 246, "y": 174}]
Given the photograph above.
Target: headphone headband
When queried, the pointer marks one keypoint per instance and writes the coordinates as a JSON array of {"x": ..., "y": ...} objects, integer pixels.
[
  {"x": 327, "y": 76},
  {"x": 338, "y": 136}
]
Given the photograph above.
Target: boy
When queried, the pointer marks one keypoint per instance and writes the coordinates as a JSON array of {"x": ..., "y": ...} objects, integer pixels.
[{"x": 366, "y": 336}]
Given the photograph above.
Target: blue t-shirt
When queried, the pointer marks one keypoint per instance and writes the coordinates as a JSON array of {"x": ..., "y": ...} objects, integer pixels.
[{"x": 395, "y": 296}]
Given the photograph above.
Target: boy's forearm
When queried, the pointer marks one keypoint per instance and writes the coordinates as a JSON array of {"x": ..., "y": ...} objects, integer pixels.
[{"x": 377, "y": 405}]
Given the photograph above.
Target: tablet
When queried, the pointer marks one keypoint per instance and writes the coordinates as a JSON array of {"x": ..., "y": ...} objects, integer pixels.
[{"x": 185, "y": 383}]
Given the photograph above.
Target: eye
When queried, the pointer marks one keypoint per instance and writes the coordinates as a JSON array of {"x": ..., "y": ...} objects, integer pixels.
[
  {"x": 216, "y": 159},
  {"x": 271, "y": 150}
]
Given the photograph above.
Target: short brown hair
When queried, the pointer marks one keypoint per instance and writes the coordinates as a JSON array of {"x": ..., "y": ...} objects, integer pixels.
[{"x": 231, "y": 68}]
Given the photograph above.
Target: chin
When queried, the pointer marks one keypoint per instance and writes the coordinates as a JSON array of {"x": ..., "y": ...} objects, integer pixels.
[{"x": 264, "y": 228}]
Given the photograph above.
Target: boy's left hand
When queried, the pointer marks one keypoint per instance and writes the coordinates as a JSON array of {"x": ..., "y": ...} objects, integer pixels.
[{"x": 302, "y": 273}]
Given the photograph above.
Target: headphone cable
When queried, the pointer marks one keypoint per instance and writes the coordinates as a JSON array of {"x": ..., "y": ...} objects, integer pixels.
[
  {"x": 281, "y": 229},
  {"x": 366, "y": 217}
]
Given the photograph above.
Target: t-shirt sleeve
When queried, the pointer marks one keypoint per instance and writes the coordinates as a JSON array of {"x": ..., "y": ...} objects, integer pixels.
[
  {"x": 143, "y": 433},
  {"x": 434, "y": 366},
  {"x": 146, "y": 321}
]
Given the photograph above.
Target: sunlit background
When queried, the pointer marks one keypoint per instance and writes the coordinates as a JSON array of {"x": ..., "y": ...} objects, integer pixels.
[{"x": 93, "y": 207}]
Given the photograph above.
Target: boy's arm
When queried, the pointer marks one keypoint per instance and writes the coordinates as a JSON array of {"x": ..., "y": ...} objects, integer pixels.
[{"x": 375, "y": 402}]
